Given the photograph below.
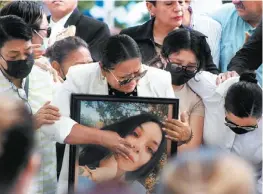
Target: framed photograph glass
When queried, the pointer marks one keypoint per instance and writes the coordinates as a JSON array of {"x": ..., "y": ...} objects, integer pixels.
[{"x": 136, "y": 119}]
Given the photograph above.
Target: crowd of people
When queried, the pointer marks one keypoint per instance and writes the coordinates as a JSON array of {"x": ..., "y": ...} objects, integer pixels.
[{"x": 211, "y": 62}]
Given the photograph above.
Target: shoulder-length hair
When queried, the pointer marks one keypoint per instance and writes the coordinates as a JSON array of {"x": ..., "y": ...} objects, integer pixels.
[{"x": 91, "y": 154}]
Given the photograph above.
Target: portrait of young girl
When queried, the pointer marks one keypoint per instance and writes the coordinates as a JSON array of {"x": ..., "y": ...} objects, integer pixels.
[{"x": 144, "y": 132}]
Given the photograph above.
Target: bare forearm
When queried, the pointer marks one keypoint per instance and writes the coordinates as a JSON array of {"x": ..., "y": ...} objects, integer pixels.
[{"x": 84, "y": 135}]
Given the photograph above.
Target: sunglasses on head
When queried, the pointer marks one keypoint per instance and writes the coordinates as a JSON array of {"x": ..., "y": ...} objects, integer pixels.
[
  {"x": 128, "y": 80},
  {"x": 230, "y": 124}
]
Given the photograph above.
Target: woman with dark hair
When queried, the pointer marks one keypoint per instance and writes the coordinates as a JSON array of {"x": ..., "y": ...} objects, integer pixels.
[
  {"x": 120, "y": 73},
  {"x": 184, "y": 54},
  {"x": 68, "y": 52},
  {"x": 233, "y": 116},
  {"x": 166, "y": 16},
  {"x": 145, "y": 132}
]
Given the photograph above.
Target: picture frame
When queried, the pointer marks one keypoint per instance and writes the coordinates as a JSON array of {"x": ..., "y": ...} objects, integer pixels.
[{"x": 100, "y": 110}]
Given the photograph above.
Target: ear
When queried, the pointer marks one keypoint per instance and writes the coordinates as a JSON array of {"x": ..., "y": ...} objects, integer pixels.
[
  {"x": 151, "y": 8},
  {"x": 56, "y": 66},
  {"x": 26, "y": 177}
]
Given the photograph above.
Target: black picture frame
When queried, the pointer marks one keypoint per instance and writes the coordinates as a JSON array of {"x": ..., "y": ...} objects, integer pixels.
[{"x": 75, "y": 114}]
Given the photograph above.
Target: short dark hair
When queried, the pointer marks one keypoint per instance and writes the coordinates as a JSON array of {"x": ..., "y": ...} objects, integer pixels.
[
  {"x": 60, "y": 49},
  {"x": 152, "y": 2},
  {"x": 244, "y": 98},
  {"x": 17, "y": 142},
  {"x": 185, "y": 38},
  {"x": 30, "y": 11},
  {"x": 123, "y": 128},
  {"x": 13, "y": 27},
  {"x": 117, "y": 49}
]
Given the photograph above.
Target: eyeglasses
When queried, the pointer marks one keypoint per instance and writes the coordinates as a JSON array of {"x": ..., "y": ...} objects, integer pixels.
[
  {"x": 230, "y": 124},
  {"x": 47, "y": 29},
  {"x": 128, "y": 80},
  {"x": 174, "y": 67}
]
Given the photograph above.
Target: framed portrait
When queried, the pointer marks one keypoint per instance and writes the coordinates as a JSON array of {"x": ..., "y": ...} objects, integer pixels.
[{"x": 136, "y": 119}]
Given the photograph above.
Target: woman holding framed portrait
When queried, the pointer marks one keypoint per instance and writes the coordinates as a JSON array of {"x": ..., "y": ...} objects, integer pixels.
[{"x": 120, "y": 73}]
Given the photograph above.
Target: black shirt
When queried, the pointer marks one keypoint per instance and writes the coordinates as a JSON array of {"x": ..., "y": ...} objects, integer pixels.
[
  {"x": 250, "y": 56},
  {"x": 113, "y": 92}
]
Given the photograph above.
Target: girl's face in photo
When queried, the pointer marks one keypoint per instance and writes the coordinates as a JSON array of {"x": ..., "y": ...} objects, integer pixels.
[{"x": 146, "y": 138}]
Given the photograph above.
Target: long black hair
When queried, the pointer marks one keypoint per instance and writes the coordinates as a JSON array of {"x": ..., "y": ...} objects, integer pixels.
[
  {"x": 91, "y": 155},
  {"x": 244, "y": 98}
]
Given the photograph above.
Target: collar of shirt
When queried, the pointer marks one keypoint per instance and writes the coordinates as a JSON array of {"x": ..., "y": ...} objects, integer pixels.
[
  {"x": 6, "y": 85},
  {"x": 57, "y": 27},
  {"x": 61, "y": 22}
]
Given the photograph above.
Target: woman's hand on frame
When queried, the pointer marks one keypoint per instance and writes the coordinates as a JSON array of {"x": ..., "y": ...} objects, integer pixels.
[{"x": 178, "y": 130}]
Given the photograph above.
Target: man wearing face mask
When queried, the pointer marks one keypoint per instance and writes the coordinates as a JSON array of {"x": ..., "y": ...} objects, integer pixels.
[{"x": 16, "y": 63}]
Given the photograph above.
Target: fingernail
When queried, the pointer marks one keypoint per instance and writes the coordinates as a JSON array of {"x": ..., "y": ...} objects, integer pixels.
[{"x": 164, "y": 129}]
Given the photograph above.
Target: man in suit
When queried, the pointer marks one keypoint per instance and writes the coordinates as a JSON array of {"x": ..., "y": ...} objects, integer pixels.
[{"x": 64, "y": 13}]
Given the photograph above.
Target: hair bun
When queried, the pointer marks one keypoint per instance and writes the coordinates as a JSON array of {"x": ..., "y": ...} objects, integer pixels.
[{"x": 248, "y": 77}]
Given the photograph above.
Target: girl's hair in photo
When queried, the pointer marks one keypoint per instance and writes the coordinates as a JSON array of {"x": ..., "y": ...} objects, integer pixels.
[
  {"x": 185, "y": 39},
  {"x": 244, "y": 98},
  {"x": 124, "y": 128}
]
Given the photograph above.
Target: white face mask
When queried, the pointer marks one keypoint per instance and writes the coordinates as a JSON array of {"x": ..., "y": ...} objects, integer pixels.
[{"x": 45, "y": 41}]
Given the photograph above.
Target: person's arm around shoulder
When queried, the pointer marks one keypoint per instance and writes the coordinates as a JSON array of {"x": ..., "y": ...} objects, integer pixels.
[
  {"x": 61, "y": 128},
  {"x": 249, "y": 57},
  {"x": 67, "y": 131},
  {"x": 203, "y": 84}
]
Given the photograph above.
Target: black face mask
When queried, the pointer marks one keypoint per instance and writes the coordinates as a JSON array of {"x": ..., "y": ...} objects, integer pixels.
[
  {"x": 181, "y": 77},
  {"x": 238, "y": 130},
  {"x": 21, "y": 68}
]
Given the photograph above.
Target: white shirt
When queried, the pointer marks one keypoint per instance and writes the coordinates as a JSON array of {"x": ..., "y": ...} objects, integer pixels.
[
  {"x": 57, "y": 27},
  {"x": 9, "y": 89},
  {"x": 248, "y": 146},
  {"x": 87, "y": 79},
  {"x": 40, "y": 91},
  {"x": 212, "y": 29},
  {"x": 205, "y": 6}
]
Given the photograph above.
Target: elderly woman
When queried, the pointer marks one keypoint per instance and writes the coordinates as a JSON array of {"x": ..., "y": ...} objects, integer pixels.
[{"x": 166, "y": 16}]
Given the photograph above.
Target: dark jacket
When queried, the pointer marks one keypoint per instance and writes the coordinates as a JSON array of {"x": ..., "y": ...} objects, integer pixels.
[
  {"x": 249, "y": 57},
  {"x": 143, "y": 35},
  {"x": 94, "y": 32}
]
